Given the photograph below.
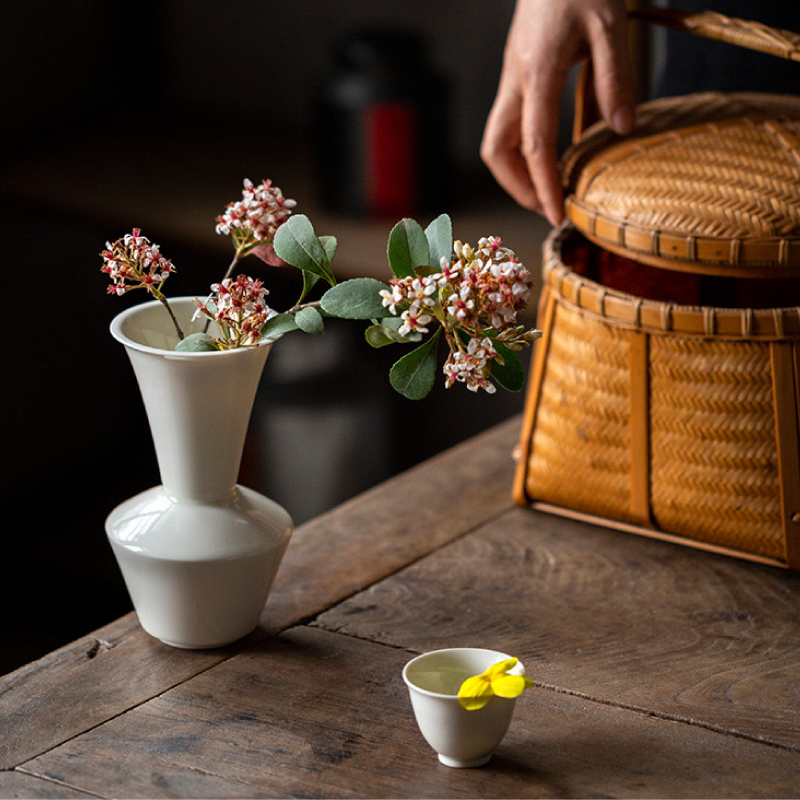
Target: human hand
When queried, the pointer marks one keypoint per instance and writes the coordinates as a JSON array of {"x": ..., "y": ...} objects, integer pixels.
[{"x": 545, "y": 39}]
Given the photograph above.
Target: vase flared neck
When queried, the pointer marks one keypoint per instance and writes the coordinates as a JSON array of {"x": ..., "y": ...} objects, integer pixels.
[{"x": 198, "y": 404}]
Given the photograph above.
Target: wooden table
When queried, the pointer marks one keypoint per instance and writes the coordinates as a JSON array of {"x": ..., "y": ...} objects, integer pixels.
[{"x": 662, "y": 671}]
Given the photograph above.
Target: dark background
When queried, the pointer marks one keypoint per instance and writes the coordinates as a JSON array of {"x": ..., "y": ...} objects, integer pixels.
[
  {"x": 174, "y": 96},
  {"x": 115, "y": 114}
]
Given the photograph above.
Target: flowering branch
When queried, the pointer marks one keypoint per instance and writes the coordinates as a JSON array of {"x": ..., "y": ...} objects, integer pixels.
[
  {"x": 253, "y": 221},
  {"x": 133, "y": 262},
  {"x": 470, "y": 297},
  {"x": 240, "y": 310},
  {"x": 237, "y": 306}
]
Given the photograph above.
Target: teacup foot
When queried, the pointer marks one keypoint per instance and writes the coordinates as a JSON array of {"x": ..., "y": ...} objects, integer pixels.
[{"x": 464, "y": 763}]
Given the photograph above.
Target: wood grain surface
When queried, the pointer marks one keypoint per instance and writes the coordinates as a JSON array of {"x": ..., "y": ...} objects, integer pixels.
[
  {"x": 394, "y": 524},
  {"x": 315, "y": 714},
  {"x": 15, "y": 784},
  {"x": 330, "y": 558},
  {"x": 700, "y": 638},
  {"x": 662, "y": 671},
  {"x": 85, "y": 683}
]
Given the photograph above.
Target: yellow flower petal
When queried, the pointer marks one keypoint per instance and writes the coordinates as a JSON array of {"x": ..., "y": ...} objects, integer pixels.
[
  {"x": 474, "y": 703},
  {"x": 475, "y": 692},
  {"x": 476, "y": 686},
  {"x": 510, "y": 685},
  {"x": 501, "y": 667}
]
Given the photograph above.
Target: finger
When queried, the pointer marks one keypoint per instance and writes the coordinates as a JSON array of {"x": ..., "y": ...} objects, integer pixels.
[
  {"x": 613, "y": 74},
  {"x": 540, "y": 120},
  {"x": 500, "y": 151}
]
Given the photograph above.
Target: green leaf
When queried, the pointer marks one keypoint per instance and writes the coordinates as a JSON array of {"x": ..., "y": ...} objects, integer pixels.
[
  {"x": 380, "y": 336},
  {"x": 440, "y": 239},
  {"x": 298, "y": 245},
  {"x": 309, "y": 281},
  {"x": 407, "y": 248},
  {"x": 357, "y": 298},
  {"x": 278, "y": 325},
  {"x": 413, "y": 375},
  {"x": 196, "y": 343},
  {"x": 386, "y": 332},
  {"x": 509, "y": 374},
  {"x": 329, "y": 245},
  {"x": 309, "y": 320}
]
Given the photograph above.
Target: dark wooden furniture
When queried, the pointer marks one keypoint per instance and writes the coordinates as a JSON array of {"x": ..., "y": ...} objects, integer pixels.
[{"x": 662, "y": 671}]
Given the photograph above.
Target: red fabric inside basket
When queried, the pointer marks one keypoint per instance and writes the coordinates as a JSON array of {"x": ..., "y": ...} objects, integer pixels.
[{"x": 669, "y": 286}]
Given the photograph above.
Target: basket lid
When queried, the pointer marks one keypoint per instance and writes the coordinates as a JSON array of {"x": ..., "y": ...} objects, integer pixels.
[{"x": 708, "y": 183}]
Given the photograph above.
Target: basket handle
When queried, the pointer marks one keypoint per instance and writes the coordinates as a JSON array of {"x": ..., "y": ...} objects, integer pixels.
[{"x": 710, "y": 24}]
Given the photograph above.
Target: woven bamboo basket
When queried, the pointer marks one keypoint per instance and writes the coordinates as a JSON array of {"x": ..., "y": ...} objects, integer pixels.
[{"x": 664, "y": 395}]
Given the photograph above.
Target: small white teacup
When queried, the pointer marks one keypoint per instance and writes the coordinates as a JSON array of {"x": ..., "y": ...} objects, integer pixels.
[{"x": 461, "y": 738}]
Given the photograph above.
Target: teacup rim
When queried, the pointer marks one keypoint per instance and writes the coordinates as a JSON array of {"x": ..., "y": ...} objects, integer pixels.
[{"x": 518, "y": 669}]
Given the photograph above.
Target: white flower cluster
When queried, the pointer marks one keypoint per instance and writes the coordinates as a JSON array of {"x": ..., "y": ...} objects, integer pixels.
[
  {"x": 255, "y": 217},
  {"x": 475, "y": 297},
  {"x": 418, "y": 295},
  {"x": 134, "y": 262},
  {"x": 240, "y": 309},
  {"x": 472, "y": 365}
]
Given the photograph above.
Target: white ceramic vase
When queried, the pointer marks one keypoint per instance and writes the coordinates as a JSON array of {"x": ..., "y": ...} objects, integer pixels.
[
  {"x": 461, "y": 738},
  {"x": 199, "y": 552}
]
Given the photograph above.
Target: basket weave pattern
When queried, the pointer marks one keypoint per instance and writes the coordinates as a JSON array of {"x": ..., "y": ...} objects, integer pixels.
[
  {"x": 706, "y": 184},
  {"x": 714, "y": 461},
  {"x": 580, "y": 455},
  {"x": 664, "y": 419},
  {"x": 709, "y": 178}
]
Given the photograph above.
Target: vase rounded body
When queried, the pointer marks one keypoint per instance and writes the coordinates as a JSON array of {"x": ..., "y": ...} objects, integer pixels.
[{"x": 199, "y": 552}]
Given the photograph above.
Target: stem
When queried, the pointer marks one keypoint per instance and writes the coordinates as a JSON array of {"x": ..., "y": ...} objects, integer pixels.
[
  {"x": 233, "y": 263},
  {"x": 300, "y": 306},
  {"x": 225, "y": 277},
  {"x": 166, "y": 305}
]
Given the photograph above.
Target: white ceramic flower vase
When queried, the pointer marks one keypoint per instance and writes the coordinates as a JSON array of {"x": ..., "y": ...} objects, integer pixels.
[
  {"x": 461, "y": 738},
  {"x": 198, "y": 553}
]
